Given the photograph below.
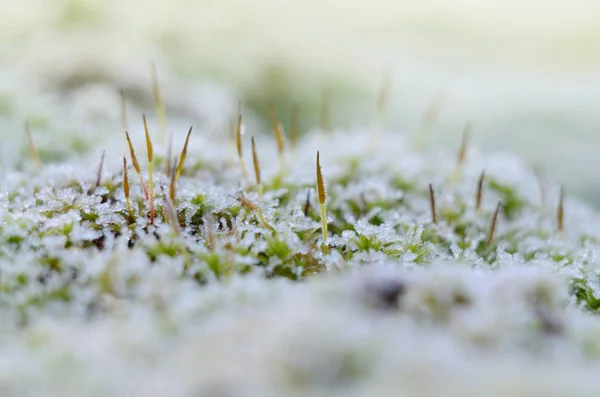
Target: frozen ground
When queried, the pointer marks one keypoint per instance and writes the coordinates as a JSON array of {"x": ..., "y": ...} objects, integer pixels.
[
  {"x": 94, "y": 301},
  {"x": 97, "y": 302}
]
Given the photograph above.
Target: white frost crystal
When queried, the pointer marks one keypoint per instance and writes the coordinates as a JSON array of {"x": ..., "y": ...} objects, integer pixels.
[{"x": 245, "y": 300}]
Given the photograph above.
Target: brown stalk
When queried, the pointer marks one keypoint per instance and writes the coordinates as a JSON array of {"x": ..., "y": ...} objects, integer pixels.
[
  {"x": 256, "y": 167},
  {"x": 492, "y": 229},
  {"x": 320, "y": 183},
  {"x": 99, "y": 172},
  {"x": 173, "y": 183},
  {"x": 253, "y": 207},
  {"x": 307, "y": 203},
  {"x": 462, "y": 154},
  {"x": 322, "y": 197},
  {"x": 126, "y": 185},
  {"x": 247, "y": 203},
  {"x": 479, "y": 193},
  {"x": 136, "y": 166},
  {"x": 150, "y": 171},
  {"x": 183, "y": 154},
  {"x": 432, "y": 205},
  {"x": 238, "y": 137},
  {"x": 279, "y": 137},
  {"x": 560, "y": 212}
]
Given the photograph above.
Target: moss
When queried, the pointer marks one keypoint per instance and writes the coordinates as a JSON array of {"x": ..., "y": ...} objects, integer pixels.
[
  {"x": 89, "y": 216},
  {"x": 52, "y": 263},
  {"x": 584, "y": 294},
  {"x": 306, "y": 235},
  {"x": 199, "y": 200},
  {"x": 395, "y": 207},
  {"x": 368, "y": 243},
  {"x": 278, "y": 248},
  {"x": 512, "y": 203},
  {"x": 15, "y": 240},
  {"x": 163, "y": 247},
  {"x": 22, "y": 279},
  {"x": 218, "y": 265}
]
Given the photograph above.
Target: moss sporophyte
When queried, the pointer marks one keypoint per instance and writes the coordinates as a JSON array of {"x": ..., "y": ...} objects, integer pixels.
[
  {"x": 91, "y": 243},
  {"x": 372, "y": 207},
  {"x": 293, "y": 243}
]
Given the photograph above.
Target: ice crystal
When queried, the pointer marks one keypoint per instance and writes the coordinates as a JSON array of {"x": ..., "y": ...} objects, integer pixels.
[{"x": 96, "y": 298}]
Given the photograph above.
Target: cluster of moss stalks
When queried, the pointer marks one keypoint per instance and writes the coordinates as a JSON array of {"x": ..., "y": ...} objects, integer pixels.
[{"x": 229, "y": 220}]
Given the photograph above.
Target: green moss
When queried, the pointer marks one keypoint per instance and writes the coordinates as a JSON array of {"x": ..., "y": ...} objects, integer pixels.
[
  {"x": 15, "y": 240},
  {"x": 164, "y": 247},
  {"x": 199, "y": 200},
  {"x": 237, "y": 230},
  {"x": 218, "y": 265},
  {"x": 52, "y": 263},
  {"x": 22, "y": 279},
  {"x": 584, "y": 294},
  {"x": 277, "y": 248},
  {"x": 368, "y": 243},
  {"x": 512, "y": 204},
  {"x": 308, "y": 234}
]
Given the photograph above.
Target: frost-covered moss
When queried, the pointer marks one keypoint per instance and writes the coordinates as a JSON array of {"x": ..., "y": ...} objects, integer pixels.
[{"x": 387, "y": 301}]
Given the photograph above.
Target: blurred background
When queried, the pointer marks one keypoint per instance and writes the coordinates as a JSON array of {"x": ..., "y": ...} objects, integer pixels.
[{"x": 526, "y": 74}]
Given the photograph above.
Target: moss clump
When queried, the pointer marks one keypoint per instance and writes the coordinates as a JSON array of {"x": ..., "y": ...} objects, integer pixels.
[
  {"x": 372, "y": 213},
  {"x": 80, "y": 242}
]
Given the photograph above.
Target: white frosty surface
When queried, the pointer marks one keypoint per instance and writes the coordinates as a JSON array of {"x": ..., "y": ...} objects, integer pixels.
[
  {"x": 514, "y": 321},
  {"x": 327, "y": 337},
  {"x": 413, "y": 318}
]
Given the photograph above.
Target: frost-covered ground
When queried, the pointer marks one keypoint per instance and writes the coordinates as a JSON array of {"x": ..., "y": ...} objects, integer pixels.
[
  {"x": 242, "y": 296},
  {"x": 96, "y": 301}
]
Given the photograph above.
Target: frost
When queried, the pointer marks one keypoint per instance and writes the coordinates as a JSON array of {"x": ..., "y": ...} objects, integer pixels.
[{"x": 390, "y": 294}]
